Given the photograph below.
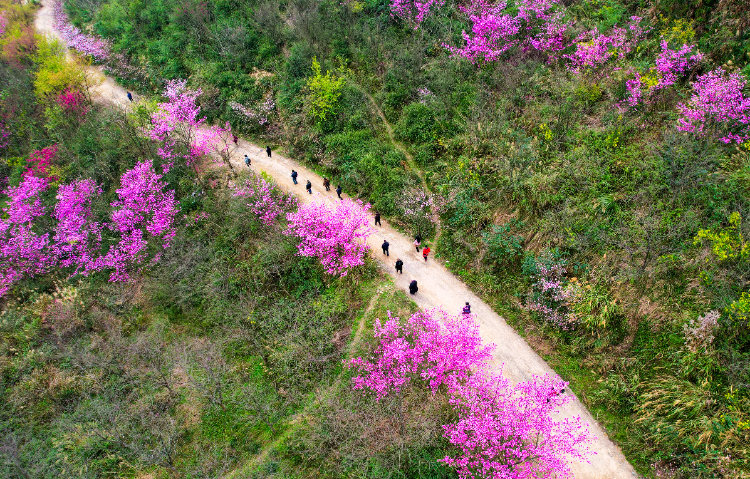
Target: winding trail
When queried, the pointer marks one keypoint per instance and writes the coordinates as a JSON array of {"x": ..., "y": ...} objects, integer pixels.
[
  {"x": 400, "y": 147},
  {"x": 438, "y": 288}
]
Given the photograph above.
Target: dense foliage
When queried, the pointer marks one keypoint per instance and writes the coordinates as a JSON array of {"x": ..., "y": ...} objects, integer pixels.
[{"x": 589, "y": 160}]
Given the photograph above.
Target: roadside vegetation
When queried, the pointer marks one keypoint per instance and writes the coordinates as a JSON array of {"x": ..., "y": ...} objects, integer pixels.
[{"x": 587, "y": 173}]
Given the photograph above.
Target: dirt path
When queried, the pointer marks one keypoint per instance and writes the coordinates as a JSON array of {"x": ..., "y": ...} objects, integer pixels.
[{"x": 438, "y": 288}]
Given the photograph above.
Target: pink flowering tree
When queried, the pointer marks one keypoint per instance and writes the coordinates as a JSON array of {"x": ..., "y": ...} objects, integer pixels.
[
  {"x": 593, "y": 49},
  {"x": 506, "y": 431},
  {"x": 531, "y": 25},
  {"x": 670, "y": 66},
  {"x": 260, "y": 113},
  {"x": 181, "y": 133},
  {"x": 74, "y": 103},
  {"x": 263, "y": 199},
  {"x": 41, "y": 161},
  {"x": 78, "y": 237},
  {"x": 3, "y": 23},
  {"x": 430, "y": 346},
  {"x": 93, "y": 46},
  {"x": 413, "y": 11},
  {"x": 501, "y": 430},
  {"x": 143, "y": 211},
  {"x": 335, "y": 233},
  {"x": 24, "y": 251},
  {"x": 719, "y": 106}
]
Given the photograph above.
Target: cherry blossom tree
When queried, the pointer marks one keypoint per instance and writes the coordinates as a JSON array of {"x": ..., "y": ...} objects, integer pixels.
[
  {"x": 496, "y": 29},
  {"x": 182, "y": 135},
  {"x": 501, "y": 430},
  {"x": 91, "y": 45},
  {"x": 78, "y": 237},
  {"x": 505, "y": 431},
  {"x": 144, "y": 210},
  {"x": 263, "y": 199},
  {"x": 336, "y": 233},
  {"x": 431, "y": 345},
  {"x": 718, "y": 104},
  {"x": 23, "y": 251},
  {"x": 414, "y": 11}
]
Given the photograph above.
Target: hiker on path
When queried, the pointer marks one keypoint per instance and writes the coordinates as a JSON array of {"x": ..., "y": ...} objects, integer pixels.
[
  {"x": 417, "y": 242},
  {"x": 338, "y": 192},
  {"x": 386, "y": 244},
  {"x": 377, "y": 219},
  {"x": 327, "y": 183},
  {"x": 399, "y": 266},
  {"x": 425, "y": 252},
  {"x": 235, "y": 139},
  {"x": 308, "y": 187},
  {"x": 554, "y": 393},
  {"x": 294, "y": 177},
  {"x": 268, "y": 151},
  {"x": 130, "y": 97},
  {"x": 467, "y": 309},
  {"x": 247, "y": 161},
  {"x": 413, "y": 286}
]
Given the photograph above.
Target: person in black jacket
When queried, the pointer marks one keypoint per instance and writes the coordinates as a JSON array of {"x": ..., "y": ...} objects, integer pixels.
[
  {"x": 268, "y": 152},
  {"x": 308, "y": 187},
  {"x": 377, "y": 218},
  {"x": 338, "y": 191},
  {"x": 413, "y": 287},
  {"x": 294, "y": 177},
  {"x": 130, "y": 97},
  {"x": 399, "y": 266},
  {"x": 386, "y": 244}
]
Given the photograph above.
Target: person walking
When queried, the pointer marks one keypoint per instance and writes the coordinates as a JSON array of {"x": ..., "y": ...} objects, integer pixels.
[
  {"x": 338, "y": 192},
  {"x": 268, "y": 152},
  {"x": 130, "y": 97},
  {"x": 235, "y": 139},
  {"x": 377, "y": 219},
  {"x": 294, "y": 177},
  {"x": 417, "y": 242},
  {"x": 467, "y": 309},
  {"x": 425, "y": 252},
  {"x": 413, "y": 287},
  {"x": 308, "y": 187},
  {"x": 386, "y": 244},
  {"x": 327, "y": 183},
  {"x": 247, "y": 161},
  {"x": 399, "y": 266}
]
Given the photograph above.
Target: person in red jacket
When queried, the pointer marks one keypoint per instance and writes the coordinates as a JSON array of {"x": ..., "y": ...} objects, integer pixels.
[{"x": 425, "y": 252}]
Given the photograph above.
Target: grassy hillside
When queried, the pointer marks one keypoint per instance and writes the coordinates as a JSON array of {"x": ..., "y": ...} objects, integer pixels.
[{"x": 606, "y": 235}]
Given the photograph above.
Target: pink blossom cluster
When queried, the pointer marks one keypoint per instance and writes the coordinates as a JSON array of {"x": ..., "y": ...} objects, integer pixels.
[
  {"x": 593, "y": 49},
  {"x": 23, "y": 251},
  {"x": 501, "y": 430},
  {"x": 143, "y": 209},
  {"x": 718, "y": 103},
  {"x": 550, "y": 296},
  {"x": 260, "y": 113},
  {"x": 74, "y": 38},
  {"x": 176, "y": 123},
  {"x": 414, "y": 11},
  {"x": 78, "y": 237},
  {"x": 40, "y": 161},
  {"x": 336, "y": 233},
  {"x": 537, "y": 24},
  {"x": 264, "y": 199},
  {"x": 425, "y": 95},
  {"x": 505, "y": 431},
  {"x": 433, "y": 346},
  {"x": 195, "y": 219},
  {"x": 670, "y": 65},
  {"x": 3, "y": 23},
  {"x": 74, "y": 102}
]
